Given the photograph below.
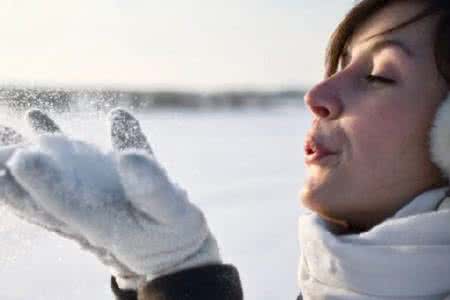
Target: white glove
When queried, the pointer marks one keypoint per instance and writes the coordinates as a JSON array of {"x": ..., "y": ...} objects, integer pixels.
[
  {"x": 121, "y": 206},
  {"x": 21, "y": 203}
]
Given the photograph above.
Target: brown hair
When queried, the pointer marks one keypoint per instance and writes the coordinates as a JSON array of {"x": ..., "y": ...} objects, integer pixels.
[{"x": 367, "y": 8}]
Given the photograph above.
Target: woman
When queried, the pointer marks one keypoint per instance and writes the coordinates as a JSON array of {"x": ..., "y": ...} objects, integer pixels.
[{"x": 380, "y": 223}]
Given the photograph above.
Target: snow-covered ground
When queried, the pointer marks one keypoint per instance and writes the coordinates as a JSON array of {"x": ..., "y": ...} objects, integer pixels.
[{"x": 243, "y": 168}]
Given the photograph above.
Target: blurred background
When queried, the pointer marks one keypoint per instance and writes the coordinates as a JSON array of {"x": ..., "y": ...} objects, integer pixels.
[
  {"x": 163, "y": 53},
  {"x": 218, "y": 87}
]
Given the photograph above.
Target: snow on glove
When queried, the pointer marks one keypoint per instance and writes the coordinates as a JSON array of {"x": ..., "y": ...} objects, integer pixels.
[
  {"x": 156, "y": 196},
  {"x": 122, "y": 204},
  {"x": 20, "y": 202},
  {"x": 10, "y": 140}
]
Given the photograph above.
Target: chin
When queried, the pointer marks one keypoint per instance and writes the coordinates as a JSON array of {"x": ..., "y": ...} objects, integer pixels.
[
  {"x": 336, "y": 224},
  {"x": 315, "y": 198},
  {"x": 334, "y": 206},
  {"x": 323, "y": 200}
]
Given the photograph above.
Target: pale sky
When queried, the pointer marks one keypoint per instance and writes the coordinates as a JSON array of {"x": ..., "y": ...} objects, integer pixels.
[{"x": 200, "y": 44}]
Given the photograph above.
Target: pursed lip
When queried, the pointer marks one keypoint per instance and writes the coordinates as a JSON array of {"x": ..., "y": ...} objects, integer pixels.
[{"x": 316, "y": 152}]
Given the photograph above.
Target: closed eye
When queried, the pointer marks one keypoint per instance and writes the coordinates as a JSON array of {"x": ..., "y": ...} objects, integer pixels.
[{"x": 379, "y": 79}]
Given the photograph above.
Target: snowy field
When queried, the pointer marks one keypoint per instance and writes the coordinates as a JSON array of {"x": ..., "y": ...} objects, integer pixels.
[{"x": 243, "y": 168}]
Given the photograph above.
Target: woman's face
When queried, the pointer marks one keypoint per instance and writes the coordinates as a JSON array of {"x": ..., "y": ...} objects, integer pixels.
[{"x": 367, "y": 151}]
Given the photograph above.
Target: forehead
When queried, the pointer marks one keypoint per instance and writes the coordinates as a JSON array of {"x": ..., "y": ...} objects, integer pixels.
[{"x": 415, "y": 34}]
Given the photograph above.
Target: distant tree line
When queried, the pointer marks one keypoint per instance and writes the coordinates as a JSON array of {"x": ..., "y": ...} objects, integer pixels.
[
  {"x": 47, "y": 99},
  {"x": 61, "y": 100}
]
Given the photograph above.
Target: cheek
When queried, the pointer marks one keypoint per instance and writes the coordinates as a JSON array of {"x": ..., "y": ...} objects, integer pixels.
[
  {"x": 389, "y": 140},
  {"x": 380, "y": 131}
]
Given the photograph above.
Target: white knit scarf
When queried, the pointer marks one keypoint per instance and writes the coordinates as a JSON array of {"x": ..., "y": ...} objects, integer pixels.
[{"x": 405, "y": 257}]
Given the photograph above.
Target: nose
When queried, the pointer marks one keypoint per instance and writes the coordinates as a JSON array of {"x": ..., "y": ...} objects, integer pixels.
[{"x": 323, "y": 101}]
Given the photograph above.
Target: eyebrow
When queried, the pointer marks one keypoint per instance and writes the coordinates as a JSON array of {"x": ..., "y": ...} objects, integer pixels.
[
  {"x": 381, "y": 44},
  {"x": 378, "y": 46}
]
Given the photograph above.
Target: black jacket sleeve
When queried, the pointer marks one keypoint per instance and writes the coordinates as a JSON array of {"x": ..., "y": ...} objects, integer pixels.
[
  {"x": 218, "y": 282},
  {"x": 122, "y": 294}
]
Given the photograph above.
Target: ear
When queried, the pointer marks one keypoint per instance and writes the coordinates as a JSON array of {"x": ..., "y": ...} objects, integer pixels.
[{"x": 440, "y": 138}]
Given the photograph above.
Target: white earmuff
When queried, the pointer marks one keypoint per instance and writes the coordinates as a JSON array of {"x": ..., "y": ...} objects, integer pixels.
[{"x": 440, "y": 138}]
